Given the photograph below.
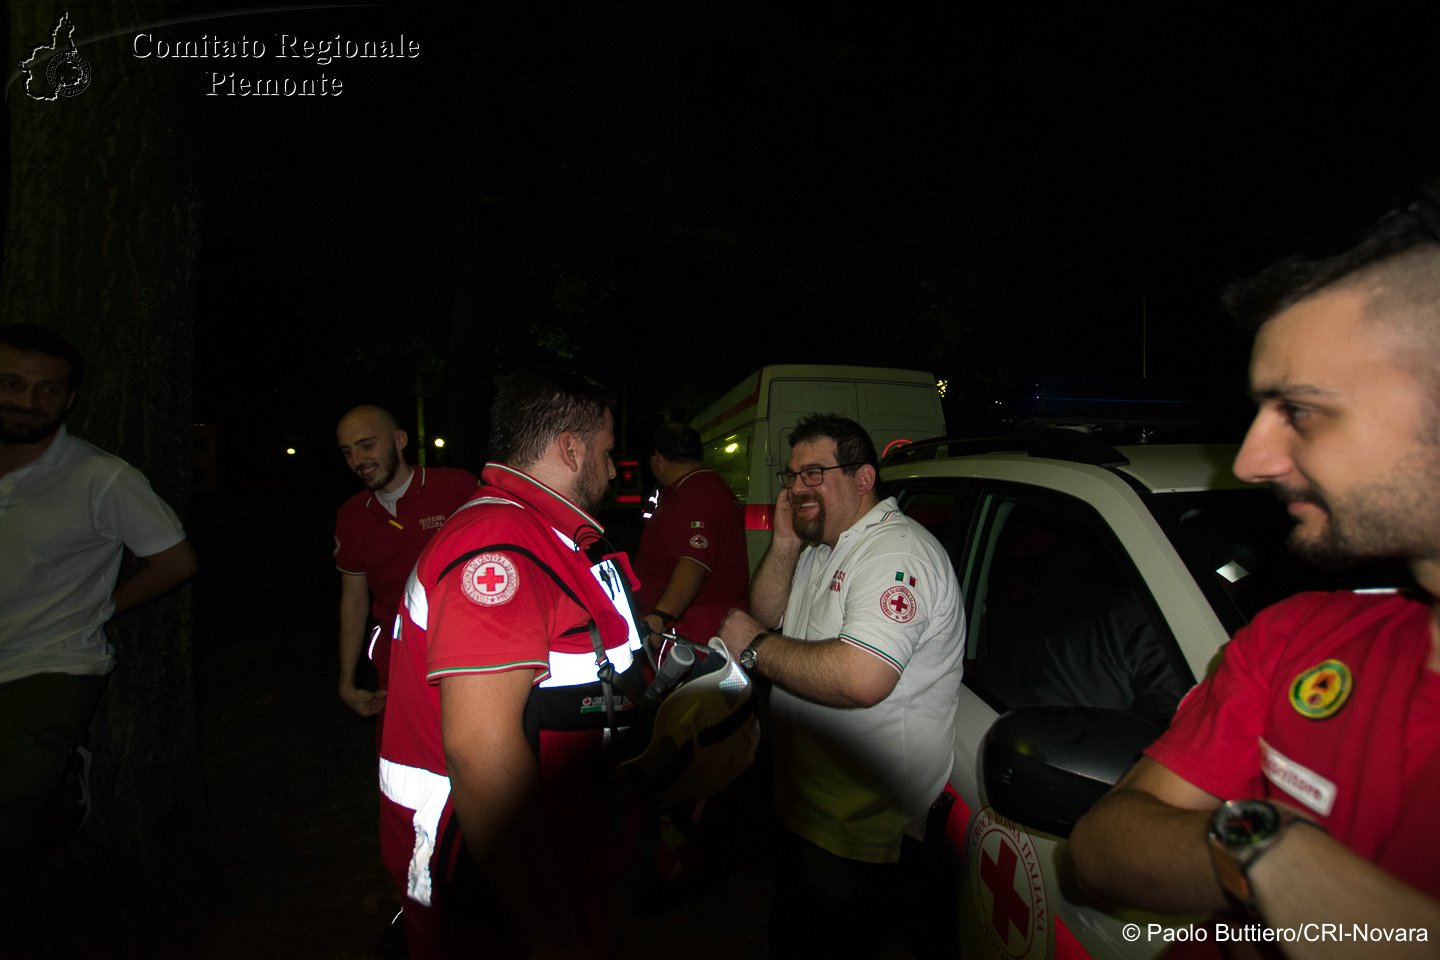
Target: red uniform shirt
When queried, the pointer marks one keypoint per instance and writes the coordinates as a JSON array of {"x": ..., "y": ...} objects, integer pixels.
[
  {"x": 369, "y": 540},
  {"x": 697, "y": 517},
  {"x": 1325, "y": 703}
]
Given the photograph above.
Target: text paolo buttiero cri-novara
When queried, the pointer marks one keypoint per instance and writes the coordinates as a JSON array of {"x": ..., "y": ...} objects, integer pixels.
[
  {"x": 1261, "y": 933},
  {"x": 294, "y": 58}
]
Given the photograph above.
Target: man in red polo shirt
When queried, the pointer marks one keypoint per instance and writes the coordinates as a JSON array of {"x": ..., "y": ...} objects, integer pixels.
[
  {"x": 1294, "y": 792},
  {"x": 692, "y": 562},
  {"x": 379, "y": 534}
]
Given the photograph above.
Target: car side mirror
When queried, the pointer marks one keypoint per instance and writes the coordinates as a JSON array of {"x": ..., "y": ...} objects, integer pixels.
[{"x": 1045, "y": 766}]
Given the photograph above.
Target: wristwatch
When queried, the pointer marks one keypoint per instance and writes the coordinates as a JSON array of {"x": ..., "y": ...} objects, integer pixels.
[
  {"x": 751, "y": 654},
  {"x": 1241, "y": 832}
]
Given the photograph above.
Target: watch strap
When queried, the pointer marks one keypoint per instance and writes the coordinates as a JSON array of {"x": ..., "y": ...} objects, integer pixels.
[
  {"x": 750, "y": 655},
  {"x": 1232, "y": 867}
]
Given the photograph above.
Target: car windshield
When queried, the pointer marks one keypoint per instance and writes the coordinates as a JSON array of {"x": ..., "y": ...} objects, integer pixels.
[{"x": 1233, "y": 541}]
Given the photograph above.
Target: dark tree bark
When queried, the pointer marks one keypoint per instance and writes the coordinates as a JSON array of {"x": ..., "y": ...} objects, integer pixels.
[{"x": 101, "y": 237}]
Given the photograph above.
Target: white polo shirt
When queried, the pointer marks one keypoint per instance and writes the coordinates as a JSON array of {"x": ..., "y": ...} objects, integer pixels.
[
  {"x": 64, "y": 521},
  {"x": 853, "y": 780}
]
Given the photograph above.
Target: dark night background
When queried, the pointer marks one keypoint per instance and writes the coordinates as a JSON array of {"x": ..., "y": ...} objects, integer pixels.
[{"x": 669, "y": 196}]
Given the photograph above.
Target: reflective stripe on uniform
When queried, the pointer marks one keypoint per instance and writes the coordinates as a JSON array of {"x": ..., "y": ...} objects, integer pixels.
[
  {"x": 575, "y": 669},
  {"x": 417, "y": 602},
  {"x": 424, "y": 792}
]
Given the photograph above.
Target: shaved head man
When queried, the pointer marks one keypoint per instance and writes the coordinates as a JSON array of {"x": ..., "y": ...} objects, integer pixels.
[
  {"x": 379, "y": 534},
  {"x": 371, "y": 442}
]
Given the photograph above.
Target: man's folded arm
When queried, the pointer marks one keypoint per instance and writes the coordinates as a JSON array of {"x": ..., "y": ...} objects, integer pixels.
[{"x": 1143, "y": 843}]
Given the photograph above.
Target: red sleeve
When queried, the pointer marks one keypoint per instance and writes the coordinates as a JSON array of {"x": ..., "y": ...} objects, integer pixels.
[
  {"x": 698, "y": 522},
  {"x": 1214, "y": 740},
  {"x": 346, "y": 559},
  {"x": 495, "y": 612}
]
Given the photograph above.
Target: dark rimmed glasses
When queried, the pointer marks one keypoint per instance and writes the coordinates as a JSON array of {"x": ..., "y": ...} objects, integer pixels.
[{"x": 811, "y": 476}]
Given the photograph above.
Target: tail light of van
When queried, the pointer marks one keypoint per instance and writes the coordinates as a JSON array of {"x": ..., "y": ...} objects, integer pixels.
[{"x": 758, "y": 516}]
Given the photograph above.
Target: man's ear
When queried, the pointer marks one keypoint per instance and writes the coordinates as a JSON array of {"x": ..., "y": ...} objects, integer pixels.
[
  {"x": 866, "y": 478},
  {"x": 401, "y": 438},
  {"x": 571, "y": 450},
  {"x": 70, "y": 402}
]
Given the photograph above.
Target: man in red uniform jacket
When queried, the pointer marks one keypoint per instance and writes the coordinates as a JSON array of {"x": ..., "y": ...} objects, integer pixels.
[
  {"x": 1297, "y": 785},
  {"x": 491, "y": 752}
]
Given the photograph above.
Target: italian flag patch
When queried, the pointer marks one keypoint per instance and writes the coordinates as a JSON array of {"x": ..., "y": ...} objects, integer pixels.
[{"x": 900, "y": 577}]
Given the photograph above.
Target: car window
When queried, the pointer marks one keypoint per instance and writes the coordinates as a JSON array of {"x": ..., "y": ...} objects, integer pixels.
[
  {"x": 1234, "y": 543},
  {"x": 1057, "y": 613},
  {"x": 940, "y": 507}
]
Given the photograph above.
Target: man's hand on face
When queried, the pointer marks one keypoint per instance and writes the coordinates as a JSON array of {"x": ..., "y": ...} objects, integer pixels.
[{"x": 782, "y": 525}]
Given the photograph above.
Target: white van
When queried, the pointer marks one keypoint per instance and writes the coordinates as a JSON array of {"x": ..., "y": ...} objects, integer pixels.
[{"x": 746, "y": 433}]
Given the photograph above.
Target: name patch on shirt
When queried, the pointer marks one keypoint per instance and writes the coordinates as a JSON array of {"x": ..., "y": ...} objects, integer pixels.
[
  {"x": 490, "y": 579},
  {"x": 1302, "y": 783},
  {"x": 836, "y": 581},
  {"x": 432, "y": 523}
]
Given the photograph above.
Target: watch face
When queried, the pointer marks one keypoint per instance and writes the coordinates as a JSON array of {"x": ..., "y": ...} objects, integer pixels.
[
  {"x": 747, "y": 658},
  {"x": 1243, "y": 822}
]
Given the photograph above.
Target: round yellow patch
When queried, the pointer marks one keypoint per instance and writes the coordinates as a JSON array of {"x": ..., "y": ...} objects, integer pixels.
[{"x": 1322, "y": 690}]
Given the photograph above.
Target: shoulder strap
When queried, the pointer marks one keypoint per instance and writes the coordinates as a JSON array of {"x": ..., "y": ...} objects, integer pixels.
[{"x": 524, "y": 552}]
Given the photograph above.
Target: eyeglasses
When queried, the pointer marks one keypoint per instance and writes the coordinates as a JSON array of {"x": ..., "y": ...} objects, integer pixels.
[{"x": 813, "y": 476}]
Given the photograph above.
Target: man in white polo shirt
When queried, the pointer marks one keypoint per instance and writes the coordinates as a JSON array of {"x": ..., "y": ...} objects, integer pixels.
[
  {"x": 67, "y": 512},
  {"x": 859, "y": 625}
]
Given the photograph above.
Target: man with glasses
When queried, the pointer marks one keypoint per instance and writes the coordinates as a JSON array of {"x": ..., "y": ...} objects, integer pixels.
[
  {"x": 1295, "y": 790},
  {"x": 858, "y": 623}
]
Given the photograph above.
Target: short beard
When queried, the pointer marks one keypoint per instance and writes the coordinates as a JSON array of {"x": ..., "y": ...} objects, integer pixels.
[
  {"x": 36, "y": 434},
  {"x": 590, "y": 488},
  {"x": 811, "y": 531},
  {"x": 1392, "y": 519},
  {"x": 389, "y": 466}
]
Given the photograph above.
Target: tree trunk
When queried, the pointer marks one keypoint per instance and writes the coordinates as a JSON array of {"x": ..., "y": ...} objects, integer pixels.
[{"x": 101, "y": 238}]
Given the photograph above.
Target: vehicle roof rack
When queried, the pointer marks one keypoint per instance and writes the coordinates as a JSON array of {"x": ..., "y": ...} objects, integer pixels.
[
  {"x": 951, "y": 446},
  {"x": 1053, "y": 443}
]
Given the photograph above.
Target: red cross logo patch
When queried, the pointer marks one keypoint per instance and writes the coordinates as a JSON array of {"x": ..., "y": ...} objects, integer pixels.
[
  {"x": 898, "y": 603},
  {"x": 490, "y": 579}
]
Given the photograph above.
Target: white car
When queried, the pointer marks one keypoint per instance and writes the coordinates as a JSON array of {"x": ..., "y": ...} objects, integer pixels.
[{"x": 1100, "y": 583}]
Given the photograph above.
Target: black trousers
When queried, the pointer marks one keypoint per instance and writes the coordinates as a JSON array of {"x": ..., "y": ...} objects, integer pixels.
[{"x": 836, "y": 907}]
